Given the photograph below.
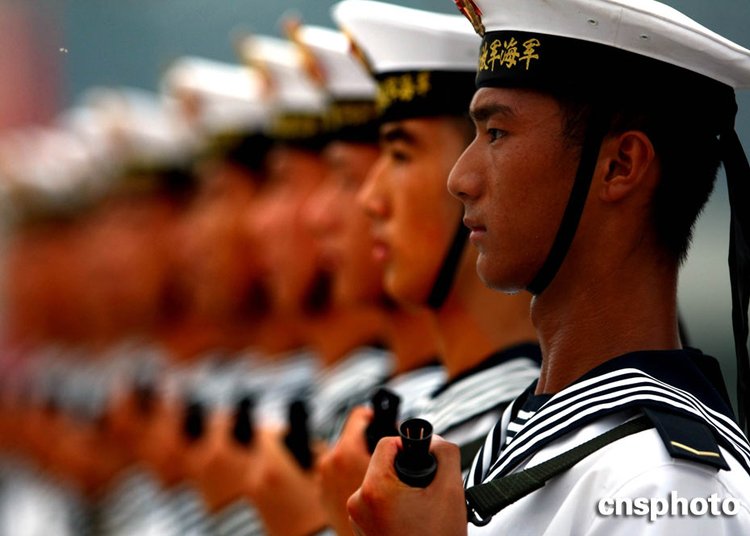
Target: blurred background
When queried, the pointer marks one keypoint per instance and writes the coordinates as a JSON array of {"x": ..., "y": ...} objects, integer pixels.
[{"x": 51, "y": 51}]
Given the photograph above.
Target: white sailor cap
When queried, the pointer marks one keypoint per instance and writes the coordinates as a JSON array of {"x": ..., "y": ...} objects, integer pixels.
[
  {"x": 48, "y": 174},
  {"x": 328, "y": 62},
  {"x": 146, "y": 128},
  {"x": 424, "y": 62},
  {"x": 91, "y": 127},
  {"x": 225, "y": 104},
  {"x": 217, "y": 97},
  {"x": 644, "y": 27},
  {"x": 298, "y": 104},
  {"x": 150, "y": 139}
]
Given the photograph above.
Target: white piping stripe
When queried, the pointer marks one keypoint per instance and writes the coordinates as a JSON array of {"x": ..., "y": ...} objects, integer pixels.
[{"x": 553, "y": 414}]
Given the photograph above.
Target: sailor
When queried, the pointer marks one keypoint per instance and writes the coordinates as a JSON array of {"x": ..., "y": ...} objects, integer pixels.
[
  {"x": 151, "y": 185},
  {"x": 599, "y": 130},
  {"x": 487, "y": 341},
  {"x": 341, "y": 232},
  {"x": 218, "y": 264},
  {"x": 424, "y": 90},
  {"x": 48, "y": 470},
  {"x": 227, "y": 305},
  {"x": 345, "y": 335}
]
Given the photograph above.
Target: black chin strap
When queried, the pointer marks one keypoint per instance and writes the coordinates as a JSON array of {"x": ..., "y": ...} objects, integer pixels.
[
  {"x": 597, "y": 128},
  {"x": 738, "y": 183},
  {"x": 449, "y": 268}
]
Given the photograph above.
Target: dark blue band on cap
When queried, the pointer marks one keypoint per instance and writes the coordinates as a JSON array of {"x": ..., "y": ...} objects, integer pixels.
[
  {"x": 352, "y": 120},
  {"x": 558, "y": 64},
  {"x": 411, "y": 94}
]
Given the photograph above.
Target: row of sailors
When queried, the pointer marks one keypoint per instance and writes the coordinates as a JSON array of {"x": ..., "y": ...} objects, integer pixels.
[
  {"x": 179, "y": 459},
  {"x": 168, "y": 450},
  {"x": 268, "y": 309},
  {"x": 167, "y": 441}
]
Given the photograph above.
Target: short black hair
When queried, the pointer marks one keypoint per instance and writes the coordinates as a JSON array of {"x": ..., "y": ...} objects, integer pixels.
[
  {"x": 689, "y": 156},
  {"x": 685, "y": 144}
]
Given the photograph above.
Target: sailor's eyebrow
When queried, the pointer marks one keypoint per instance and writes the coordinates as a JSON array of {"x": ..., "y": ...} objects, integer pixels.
[
  {"x": 395, "y": 134},
  {"x": 483, "y": 112}
]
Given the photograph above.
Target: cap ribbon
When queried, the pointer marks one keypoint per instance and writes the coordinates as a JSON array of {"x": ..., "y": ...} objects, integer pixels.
[{"x": 738, "y": 183}]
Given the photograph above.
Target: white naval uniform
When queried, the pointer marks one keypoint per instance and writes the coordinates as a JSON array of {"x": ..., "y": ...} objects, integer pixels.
[
  {"x": 467, "y": 407},
  {"x": 33, "y": 503},
  {"x": 136, "y": 505},
  {"x": 636, "y": 466},
  {"x": 331, "y": 394},
  {"x": 240, "y": 518},
  {"x": 277, "y": 382},
  {"x": 340, "y": 386},
  {"x": 413, "y": 386},
  {"x": 273, "y": 383}
]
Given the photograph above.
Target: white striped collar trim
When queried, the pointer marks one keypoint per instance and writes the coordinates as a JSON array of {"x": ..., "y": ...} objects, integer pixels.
[
  {"x": 582, "y": 402},
  {"x": 480, "y": 392}
]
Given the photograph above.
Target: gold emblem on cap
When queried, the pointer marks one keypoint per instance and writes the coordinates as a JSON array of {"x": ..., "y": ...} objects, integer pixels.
[
  {"x": 245, "y": 46},
  {"x": 357, "y": 53},
  {"x": 472, "y": 12},
  {"x": 267, "y": 84},
  {"x": 310, "y": 63}
]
